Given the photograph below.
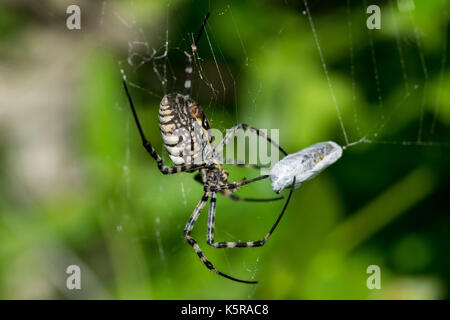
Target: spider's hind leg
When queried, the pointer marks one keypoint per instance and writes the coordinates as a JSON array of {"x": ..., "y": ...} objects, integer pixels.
[
  {"x": 249, "y": 244},
  {"x": 193, "y": 243}
]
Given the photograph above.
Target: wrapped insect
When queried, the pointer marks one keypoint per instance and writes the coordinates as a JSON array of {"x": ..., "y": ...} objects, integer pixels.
[{"x": 304, "y": 165}]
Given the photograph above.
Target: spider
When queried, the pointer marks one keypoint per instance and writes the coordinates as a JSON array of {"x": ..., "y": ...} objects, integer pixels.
[{"x": 194, "y": 150}]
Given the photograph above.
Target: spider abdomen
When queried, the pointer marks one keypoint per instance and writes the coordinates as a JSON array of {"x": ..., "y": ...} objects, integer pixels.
[{"x": 184, "y": 129}]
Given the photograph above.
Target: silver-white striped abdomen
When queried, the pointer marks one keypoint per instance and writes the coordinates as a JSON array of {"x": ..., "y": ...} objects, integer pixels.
[{"x": 184, "y": 130}]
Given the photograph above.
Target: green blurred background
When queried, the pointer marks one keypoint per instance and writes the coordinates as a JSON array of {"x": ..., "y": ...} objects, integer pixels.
[{"x": 76, "y": 186}]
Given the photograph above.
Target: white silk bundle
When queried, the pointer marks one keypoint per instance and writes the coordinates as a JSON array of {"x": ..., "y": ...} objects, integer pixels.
[{"x": 304, "y": 165}]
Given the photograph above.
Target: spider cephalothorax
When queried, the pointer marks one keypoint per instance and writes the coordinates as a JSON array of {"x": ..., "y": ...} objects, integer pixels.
[{"x": 185, "y": 132}]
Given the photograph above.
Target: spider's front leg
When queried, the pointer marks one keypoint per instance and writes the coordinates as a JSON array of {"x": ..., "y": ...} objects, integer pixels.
[
  {"x": 229, "y": 194},
  {"x": 193, "y": 243},
  {"x": 232, "y": 132},
  {"x": 234, "y": 186},
  {"x": 148, "y": 146}
]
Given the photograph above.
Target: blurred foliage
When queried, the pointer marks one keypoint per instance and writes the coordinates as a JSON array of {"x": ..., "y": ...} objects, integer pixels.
[{"x": 384, "y": 203}]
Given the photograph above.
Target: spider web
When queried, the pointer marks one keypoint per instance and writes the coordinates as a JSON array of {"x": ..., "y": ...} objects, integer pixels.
[
  {"x": 372, "y": 136},
  {"x": 152, "y": 67},
  {"x": 155, "y": 59}
]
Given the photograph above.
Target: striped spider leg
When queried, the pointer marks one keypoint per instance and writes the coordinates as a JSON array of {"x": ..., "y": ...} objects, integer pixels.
[
  {"x": 195, "y": 150},
  {"x": 210, "y": 232},
  {"x": 195, "y": 246},
  {"x": 188, "y": 69},
  {"x": 148, "y": 146},
  {"x": 199, "y": 177},
  {"x": 249, "y": 244},
  {"x": 233, "y": 131},
  {"x": 187, "y": 87}
]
